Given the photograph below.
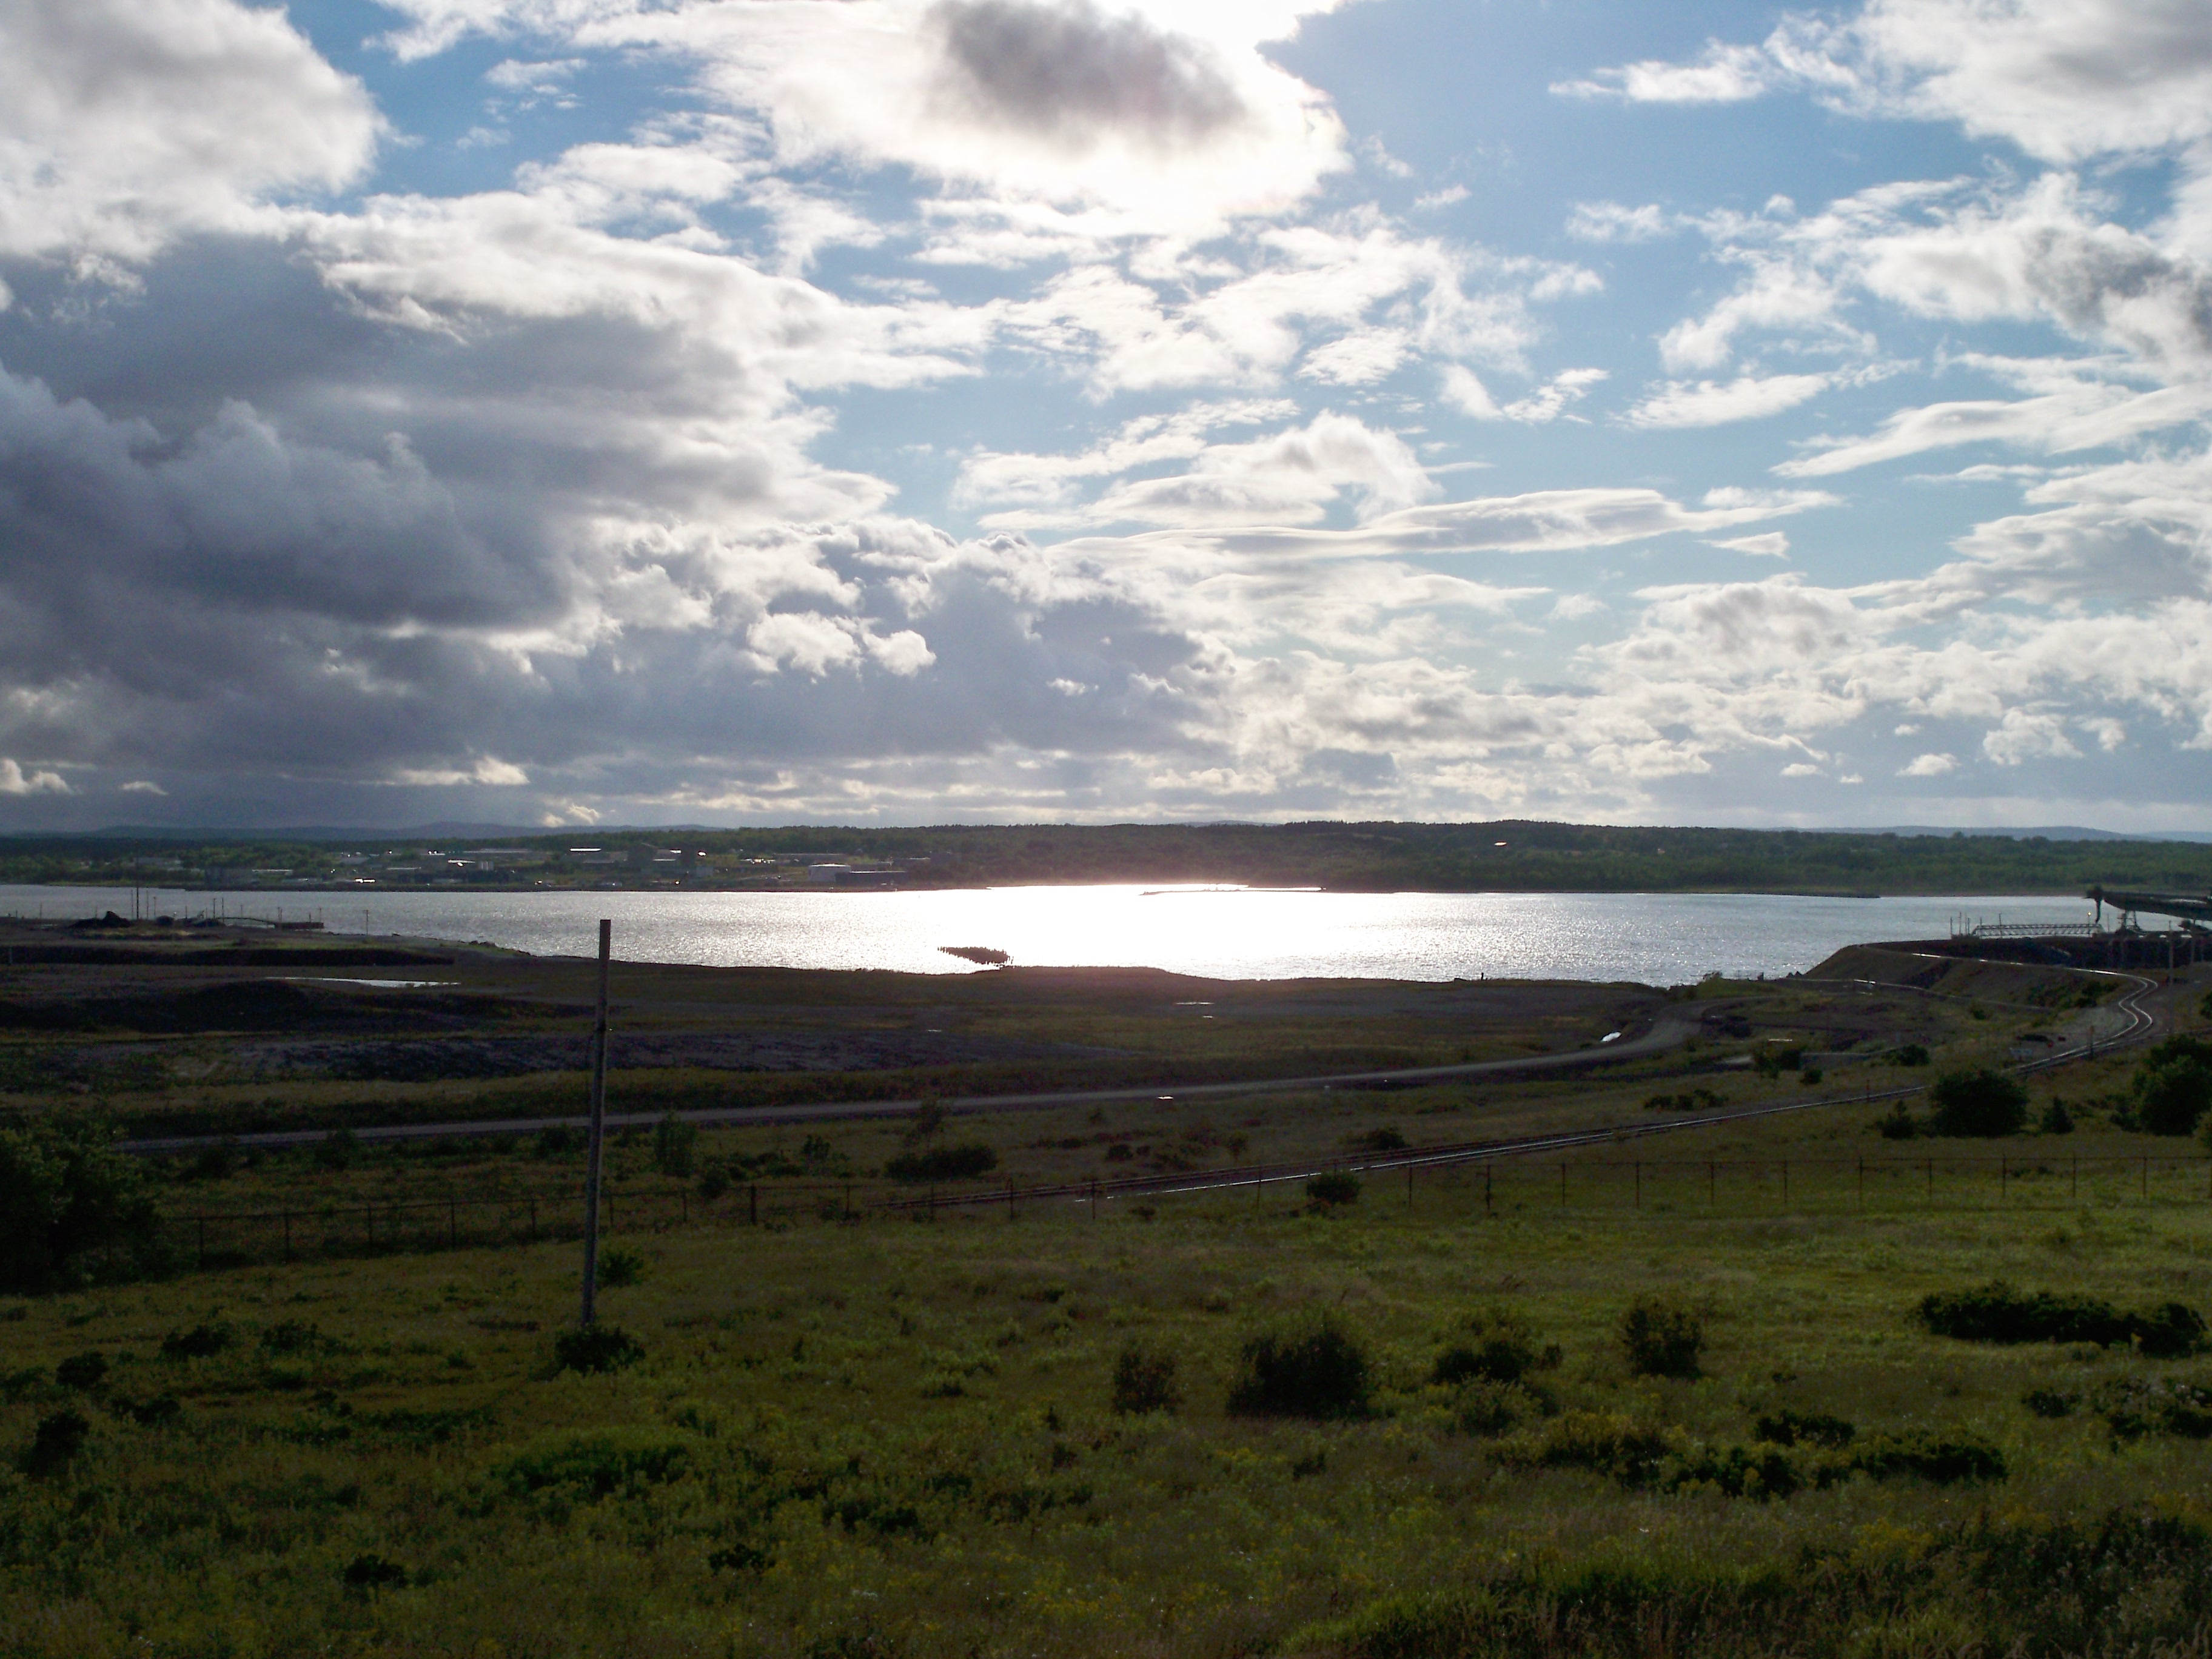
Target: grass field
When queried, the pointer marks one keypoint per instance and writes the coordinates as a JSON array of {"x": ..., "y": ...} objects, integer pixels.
[
  {"x": 890, "y": 1436},
  {"x": 896, "y": 1436}
]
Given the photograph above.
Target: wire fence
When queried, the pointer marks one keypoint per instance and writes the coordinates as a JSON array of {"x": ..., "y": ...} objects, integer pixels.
[{"x": 1518, "y": 1184}]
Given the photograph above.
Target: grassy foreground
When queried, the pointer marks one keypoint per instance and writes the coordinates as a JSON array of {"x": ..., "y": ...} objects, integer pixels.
[{"x": 896, "y": 1438}]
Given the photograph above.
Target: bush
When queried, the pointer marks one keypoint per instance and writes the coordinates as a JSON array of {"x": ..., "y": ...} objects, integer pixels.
[
  {"x": 2172, "y": 1087},
  {"x": 675, "y": 1146},
  {"x": 596, "y": 1348},
  {"x": 83, "y": 1372},
  {"x": 54, "y": 1444},
  {"x": 72, "y": 1209},
  {"x": 600, "y": 1464},
  {"x": 1603, "y": 1442},
  {"x": 369, "y": 1572},
  {"x": 1662, "y": 1338},
  {"x": 1897, "y": 1124},
  {"x": 1942, "y": 1461},
  {"x": 202, "y": 1341},
  {"x": 1981, "y": 1102},
  {"x": 1384, "y": 1140},
  {"x": 338, "y": 1150},
  {"x": 558, "y": 1140},
  {"x": 1145, "y": 1381},
  {"x": 1314, "y": 1368},
  {"x": 1485, "y": 1408},
  {"x": 964, "y": 1163},
  {"x": 1331, "y": 1188},
  {"x": 1789, "y": 1428},
  {"x": 1996, "y": 1313},
  {"x": 714, "y": 1182},
  {"x": 2055, "y": 1119},
  {"x": 1503, "y": 1350},
  {"x": 1909, "y": 1054},
  {"x": 620, "y": 1266}
]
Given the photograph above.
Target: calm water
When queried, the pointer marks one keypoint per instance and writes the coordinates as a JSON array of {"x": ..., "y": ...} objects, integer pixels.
[{"x": 1658, "y": 939}]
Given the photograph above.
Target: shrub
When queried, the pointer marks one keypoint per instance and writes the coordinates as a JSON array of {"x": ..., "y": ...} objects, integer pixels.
[
  {"x": 558, "y": 1140},
  {"x": 2133, "y": 1407},
  {"x": 1897, "y": 1123},
  {"x": 599, "y": 1464},
  {"x": 338, "y": 1150},
  {"x": 2172, "y": 1087},
  {"x": 1331, "y": 1188},
  {"x": 1386, "y": 1139},
  {"x": 1981, "y": 1102},
  {"x": 1661, "y": 1337},
  {"x": 1942, "y": 1461},
  {"x": 1790, "y": 1428},
  {"x": 964, "y": 1163},
  {"x": 72, "y": 1208},
  {"x": 81, "y": 1372},
  {"x": 1502, "y": 1349},
  {"x": 596, "y": 1348},
  {"x": 1909, "y": 1054},
  {"x": 1485, "y": 1408},
  {"x": 2055, "y": 1119},
  {"x": 1996, "y": 1313},
  {"x": 202, "y": 1341},
  {"x": 54, "y": 1444},
  {"x": 1145, "y": 1381},
  {"x": 1603, "y": 1442},
  {"x": 1809, "y": 1076},
  {"x": 369, "y": 1571},
  {"x": 620, "y": 1266},
  {"x": 713, "y": 1181},
  {"x": 1314, "y": 1368},
  {"x": 675, "y": 1146},
  {"x": 1736, "y": 1471}
]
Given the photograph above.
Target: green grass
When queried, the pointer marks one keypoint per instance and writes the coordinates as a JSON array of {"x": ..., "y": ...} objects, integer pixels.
[{"x": 896, "y": 1437}]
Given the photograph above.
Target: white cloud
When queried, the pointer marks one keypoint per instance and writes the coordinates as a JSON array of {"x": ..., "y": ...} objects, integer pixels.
[
  {"x": 127, "y": 123},
  {"x": 2063, "y": 79},
  {"x": 488, "y": 771},
  {"x": 144, "y": 786},
  {"x": 1801, "y": 769},
  {"x": 1747, "y": 398},
  {"x": 14, "y": 781},
  {"x": 1930, "y": 766},
  {"x": 1610, "y": 221},
  {"x": 1769, "y": 544}
]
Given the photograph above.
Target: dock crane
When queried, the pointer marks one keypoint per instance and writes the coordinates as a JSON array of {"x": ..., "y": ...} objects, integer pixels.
[{"x": 2193, "y": 911}]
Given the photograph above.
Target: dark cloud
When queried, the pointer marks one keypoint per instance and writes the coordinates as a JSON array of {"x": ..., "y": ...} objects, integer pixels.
[{"x": 1070, "y": 72}]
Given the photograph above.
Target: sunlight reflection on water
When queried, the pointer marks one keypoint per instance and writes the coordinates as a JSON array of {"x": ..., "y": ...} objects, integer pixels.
[{"x": 1658, "y": 939}]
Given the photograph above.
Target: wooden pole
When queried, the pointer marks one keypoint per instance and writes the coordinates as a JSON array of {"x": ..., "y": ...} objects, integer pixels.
[{"x": 595, "y": 1162}]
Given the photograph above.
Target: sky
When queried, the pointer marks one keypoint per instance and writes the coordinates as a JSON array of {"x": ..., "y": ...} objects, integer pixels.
[{"x": 561, "y": 412}]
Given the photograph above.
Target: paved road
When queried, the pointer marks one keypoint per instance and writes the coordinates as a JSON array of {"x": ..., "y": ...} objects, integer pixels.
[{"x": 1665, "y": 1034}]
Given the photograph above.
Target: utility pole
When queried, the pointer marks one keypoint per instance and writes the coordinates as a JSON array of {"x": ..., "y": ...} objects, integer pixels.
[{"x": 598, "y": 1131}]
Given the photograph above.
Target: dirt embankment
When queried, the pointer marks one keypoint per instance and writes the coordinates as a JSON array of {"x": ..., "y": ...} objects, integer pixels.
[{"x": 1925, "y": 968}]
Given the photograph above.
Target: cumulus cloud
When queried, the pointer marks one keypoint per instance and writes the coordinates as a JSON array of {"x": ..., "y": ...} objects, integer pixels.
[
  {"x": 127, "y": 123},
  {"x": 1930, "y": 766},
  {"x": 14, "y": 781}
]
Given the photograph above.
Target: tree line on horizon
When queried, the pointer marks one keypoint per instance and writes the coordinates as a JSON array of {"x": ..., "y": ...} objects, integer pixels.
[{"x": 1507, "y": 855}]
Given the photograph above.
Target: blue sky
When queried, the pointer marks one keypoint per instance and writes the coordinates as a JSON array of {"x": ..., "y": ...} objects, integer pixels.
[{"x": 560, "y": 411}]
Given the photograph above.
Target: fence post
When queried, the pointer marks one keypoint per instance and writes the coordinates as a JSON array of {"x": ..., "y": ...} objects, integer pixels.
[
  {"x": 752, "y": 1204},
  {"x": 1712, "y": 1199},
  {"x": 288, "y": 1235},
  {"x": 1563, "y": 1186},
  {"x": 2074, "y": 1181},
  {"x": 1639, "y": 1183},
  {"x": 1786, "y": 1182},
  {"x": 1862, "y": 1181},
  {"x": 1486, "y": 1208},
  {"x": 2004, "y": 1181},
  {"x": 1409, "y": 1186},
  {"x": 203, "y": 1260},
  {"x": 453, "y": 1223},
  {"x": 533, "y": 1217},
  {"x": 2146, "y": 1181}
]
